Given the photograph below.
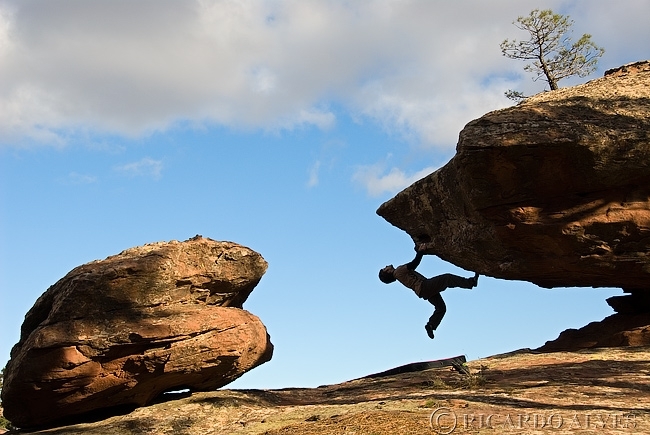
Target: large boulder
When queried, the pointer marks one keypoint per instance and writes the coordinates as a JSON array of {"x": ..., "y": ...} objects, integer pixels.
[
  {"x": 121, "y": 331},
  {"x": 555, "y": 190}
]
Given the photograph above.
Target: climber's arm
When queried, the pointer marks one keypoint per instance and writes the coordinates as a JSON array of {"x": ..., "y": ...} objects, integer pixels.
[{"x": 415, "y": 262}]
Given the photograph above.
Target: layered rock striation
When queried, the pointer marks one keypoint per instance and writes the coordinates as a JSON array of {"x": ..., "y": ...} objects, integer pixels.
[
  {"x": 121, "y": 331},
  {"x": 555, "y": 190}
]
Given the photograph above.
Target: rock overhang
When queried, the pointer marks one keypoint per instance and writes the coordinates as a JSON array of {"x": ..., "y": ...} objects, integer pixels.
[{"x": 555, "y": 190}]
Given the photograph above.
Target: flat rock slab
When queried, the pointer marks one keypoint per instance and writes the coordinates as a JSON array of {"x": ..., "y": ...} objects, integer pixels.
[{"x": 457, "y": 362}]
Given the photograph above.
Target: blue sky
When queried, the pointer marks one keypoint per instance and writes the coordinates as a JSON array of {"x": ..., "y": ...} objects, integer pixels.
[{"x": 280, "y": 125}]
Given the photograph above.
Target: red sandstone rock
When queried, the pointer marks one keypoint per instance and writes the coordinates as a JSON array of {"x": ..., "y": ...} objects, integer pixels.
[
  {"x": 123, "y": 330},
  {"x": 555, "y": 191},
  {"x": 617, "y": 330}
]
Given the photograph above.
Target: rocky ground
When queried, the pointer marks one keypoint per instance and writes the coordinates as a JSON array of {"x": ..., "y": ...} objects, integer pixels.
[{"x": 589, "y": 391}]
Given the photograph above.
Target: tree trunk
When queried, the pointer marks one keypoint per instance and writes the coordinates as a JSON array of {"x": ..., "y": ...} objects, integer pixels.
[{"x": 552, "y": 82}]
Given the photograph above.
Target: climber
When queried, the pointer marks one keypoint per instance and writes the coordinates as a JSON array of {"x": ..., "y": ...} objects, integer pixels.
[{"x": 426, "y": 288}]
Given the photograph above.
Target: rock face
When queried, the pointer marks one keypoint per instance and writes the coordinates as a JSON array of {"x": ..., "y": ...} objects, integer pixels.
[
  {"x": 630, "y": 326},
  {"x": 555, "y": 191},
  {"x": 617, "y": 330},
  {"x": 123, "y": 330}
]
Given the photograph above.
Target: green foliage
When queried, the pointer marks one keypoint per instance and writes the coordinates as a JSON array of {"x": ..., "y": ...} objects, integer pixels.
[
  {"x": 515, "y": 95},
  {"x": 430, "y": 403},
  {"x": 553, "y": 54},
  {"x": 437, "y": 383},
  {"x": 473, "y": 381},
  {"x": 4, "y": 423}
]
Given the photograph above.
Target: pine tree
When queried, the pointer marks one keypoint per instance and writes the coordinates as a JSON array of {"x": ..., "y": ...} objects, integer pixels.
[{"x": 553, "y": 54}]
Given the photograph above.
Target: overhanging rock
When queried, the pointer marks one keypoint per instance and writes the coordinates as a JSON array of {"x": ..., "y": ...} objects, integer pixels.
[{"x": 555, "y": 191}]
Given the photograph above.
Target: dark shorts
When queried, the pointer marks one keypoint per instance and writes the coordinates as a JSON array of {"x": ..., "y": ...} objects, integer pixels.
[
  {"x": 429, "y": 291},
  {"x": 431, "y": 288}
]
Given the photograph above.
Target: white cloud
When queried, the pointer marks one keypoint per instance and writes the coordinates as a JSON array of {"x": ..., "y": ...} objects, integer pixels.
[
  {"x": 321, "y": 118},
  {"x": 263, "y": 81},
  {"x": 75, "y": 178},
  {"x": 146, "y": 167},
  {"x": 377, "y": 181},
  {"x": 5, "y": 30},
  {"x": 313, "y": 174},
  {"x": 623, "y": 31},
  {"x": 131, "y": 68}
]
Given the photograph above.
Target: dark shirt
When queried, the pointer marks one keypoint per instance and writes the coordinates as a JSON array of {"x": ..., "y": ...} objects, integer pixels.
[{"x": 409, "y": 278}]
